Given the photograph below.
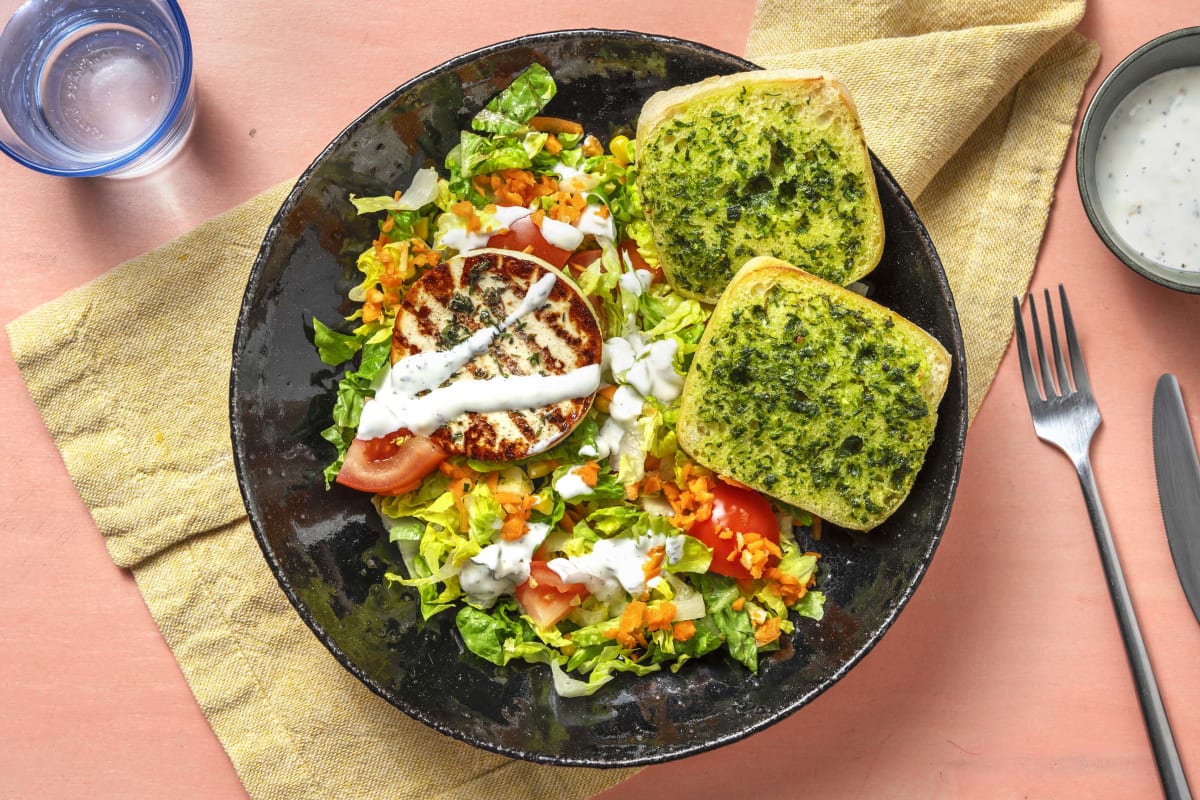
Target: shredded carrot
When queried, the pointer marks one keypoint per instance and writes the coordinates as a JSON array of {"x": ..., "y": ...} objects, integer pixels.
[
  {"x": 552, "y": 145},
  {"x": 816, "y": 529},
  {"x": 555, "y": 125},
  {"x": 589, "y": 473},
  {"x": 683, "y": 630},
  {"x": 604, "y": 398},
  {"x": 767, "y": 632},
  {"x": 457, "y": 490},
  {"x": 754, "y": 551},
  {"x": 452, "y": 470},
  {"x": 462, "y": 208},
  {"x": 515, "y": 187},
  {"x": 738, "y": 604},
  {"x": 652, "y": 567},
  {"x": 690, "y": 497},
  {"x": 513, "y": 527},
  {"x": 493, "y": 479},
  {"x": 592, "y": 147},
  {"x": 659, "y": 617},
  {"x": 628, "y": 632},
  {"x": 787, "y": 587},
  {"x": 567, "y": 206},
  {"x": 652, "y": 484},
  {"x": 516, "y": 508},
  {"x": 632, "y": 490}
]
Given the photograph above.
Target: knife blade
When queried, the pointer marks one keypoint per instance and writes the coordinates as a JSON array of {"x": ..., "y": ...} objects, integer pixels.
[{"x": 1177, "y": 471}]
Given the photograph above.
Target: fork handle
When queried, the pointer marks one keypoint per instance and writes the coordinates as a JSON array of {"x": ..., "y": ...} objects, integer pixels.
[{"x": 1170, "y": 769}]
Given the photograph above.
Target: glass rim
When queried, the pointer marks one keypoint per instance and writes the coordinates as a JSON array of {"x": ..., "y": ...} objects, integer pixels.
[{"x": 180, "y": 99}]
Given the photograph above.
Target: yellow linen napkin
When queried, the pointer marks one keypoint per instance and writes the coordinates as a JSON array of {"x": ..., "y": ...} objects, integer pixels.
[{"x": 970, "y": 105}]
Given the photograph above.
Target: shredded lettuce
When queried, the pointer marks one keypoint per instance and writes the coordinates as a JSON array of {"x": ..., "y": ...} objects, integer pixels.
[
  {"x": 520, "y": 102},
  {"x": 439, "y": 527},
  {"x": 420, "y": 193},
  {"x": 355, "y": 387}
]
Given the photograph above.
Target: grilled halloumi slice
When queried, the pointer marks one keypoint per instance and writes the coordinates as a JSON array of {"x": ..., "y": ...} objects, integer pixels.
[{"x": 486, "y": 289}]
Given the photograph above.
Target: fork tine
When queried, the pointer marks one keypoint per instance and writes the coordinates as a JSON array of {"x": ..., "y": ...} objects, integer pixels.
[
  {"x": 1064, "y": 379},
  {"x": 1078, "y": 369},
  {"x": 1043, "y": 362},
  {"x": 1027, "y": 375}
]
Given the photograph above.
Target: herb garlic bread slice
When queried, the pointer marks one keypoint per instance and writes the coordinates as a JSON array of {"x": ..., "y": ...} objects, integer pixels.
[
  {"x": 770, "y": 162},
  {"x": 813, "y": 394}
]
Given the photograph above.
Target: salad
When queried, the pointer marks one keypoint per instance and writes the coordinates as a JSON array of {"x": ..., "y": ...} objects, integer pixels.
[{"x": 604, "y": 548}]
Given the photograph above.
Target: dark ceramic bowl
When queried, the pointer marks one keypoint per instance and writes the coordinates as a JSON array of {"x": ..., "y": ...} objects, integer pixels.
[
  {"x": 327, "y": 548},
  {"x": 1173, "y": 50}
]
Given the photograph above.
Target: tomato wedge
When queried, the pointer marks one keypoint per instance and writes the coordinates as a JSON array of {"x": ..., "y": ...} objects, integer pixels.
[
  {"x": 582, "y": 259},
  {"x": 525, "y": 236},
  {"x": 741, "y": 511},
  {"x": 629, "y": 248},
  {"x": 546, "y": 598},
  {"x": 381, "y": 466}
]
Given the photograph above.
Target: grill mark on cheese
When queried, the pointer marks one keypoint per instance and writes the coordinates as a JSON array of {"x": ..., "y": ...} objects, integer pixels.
[{"x": 481, "y": 289}]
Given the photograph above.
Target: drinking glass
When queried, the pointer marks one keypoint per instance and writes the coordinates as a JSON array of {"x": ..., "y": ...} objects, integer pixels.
[{"x": 95, "y": 88}]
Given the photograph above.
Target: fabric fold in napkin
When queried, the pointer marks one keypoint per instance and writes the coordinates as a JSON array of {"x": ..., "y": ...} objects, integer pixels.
[{"x": 970, "y": 105}]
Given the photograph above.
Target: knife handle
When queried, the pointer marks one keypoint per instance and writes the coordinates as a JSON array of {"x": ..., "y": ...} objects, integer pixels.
[{"x": 1170, "y": 769}]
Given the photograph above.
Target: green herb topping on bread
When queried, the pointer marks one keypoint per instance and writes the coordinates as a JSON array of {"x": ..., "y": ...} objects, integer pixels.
[
  {"x": 813, "y": 394},
  {"x": 770, "y": 162}
]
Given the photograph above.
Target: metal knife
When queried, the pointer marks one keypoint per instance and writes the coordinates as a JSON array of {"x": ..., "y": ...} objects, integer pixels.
[{"x": 1178, "y": 472}]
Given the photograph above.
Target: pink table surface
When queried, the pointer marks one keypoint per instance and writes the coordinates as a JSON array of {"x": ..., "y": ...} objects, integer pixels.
[{"x": 1005, "y": 676}]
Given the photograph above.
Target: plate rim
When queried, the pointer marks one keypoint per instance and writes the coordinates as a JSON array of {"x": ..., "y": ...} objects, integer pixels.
[{"x": 957, "y": 386}]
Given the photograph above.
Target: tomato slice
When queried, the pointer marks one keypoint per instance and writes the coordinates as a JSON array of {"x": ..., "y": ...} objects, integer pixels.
[
  {"x": 629, "y": 247},
  {"x": 583, "y": 259},
  {"x": 546, "y": 598},
  {"x": 525, "y": 236},
  {"x": 741, "y": 511},
  {"x": 380, "y": 466}
]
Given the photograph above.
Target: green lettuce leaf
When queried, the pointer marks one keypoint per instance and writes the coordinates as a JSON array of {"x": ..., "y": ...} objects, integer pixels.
[
  {"x": 696, "y": 556},
  {"x": 335, "y": 348},
  {"x": 480, "y": 155},
  {"x": 354, "y": 389},
  {"x": 508, "y": 111},
  {"x": 485, "y": 633}
]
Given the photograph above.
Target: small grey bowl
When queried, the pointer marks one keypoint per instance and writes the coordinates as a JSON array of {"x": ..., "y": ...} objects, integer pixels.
[{"x": 1179, "y": 48}]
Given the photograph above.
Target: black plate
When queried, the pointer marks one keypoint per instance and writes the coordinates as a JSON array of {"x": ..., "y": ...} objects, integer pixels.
[{"x": 324, "y": 546}]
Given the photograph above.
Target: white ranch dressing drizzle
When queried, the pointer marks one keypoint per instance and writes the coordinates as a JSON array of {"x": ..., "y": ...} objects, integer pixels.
[
  {"x": 647, "y": 367},
  {"x": 500, "y": 567},
  {"x": 562, "y": 235},
  {"x": 597, "y": 222},
  {"x": 570, "y": 486},
  {"x": 616, "y": 565},
  {"x": 459, "y": 238},
  {"x": 1148, "y": 168},
  {"x": 411, "y": 395},
  {"x": 635, "y": 282}
]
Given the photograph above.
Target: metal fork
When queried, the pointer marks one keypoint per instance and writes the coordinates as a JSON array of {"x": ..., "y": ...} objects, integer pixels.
[{"x": 1065, "y": 414}]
